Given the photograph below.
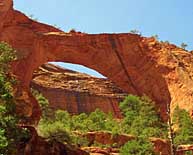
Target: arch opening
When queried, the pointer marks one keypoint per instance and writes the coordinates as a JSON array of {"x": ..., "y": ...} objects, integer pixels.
[
  {"x": 79, "y": 68},
  {"x": 77, "y": 89}
]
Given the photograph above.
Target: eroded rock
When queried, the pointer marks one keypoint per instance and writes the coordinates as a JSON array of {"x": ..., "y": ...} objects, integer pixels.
[
  {"x": 40, "y": 146},
  {"x": 77, "y": 92},
  {"x": 137, "y": 64}
]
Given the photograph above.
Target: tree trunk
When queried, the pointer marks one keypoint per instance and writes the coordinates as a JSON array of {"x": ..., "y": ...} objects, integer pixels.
[{"x": 171, "y": 131}]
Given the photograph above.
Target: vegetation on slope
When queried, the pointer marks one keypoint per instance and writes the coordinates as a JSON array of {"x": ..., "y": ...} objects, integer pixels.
[
  {"x": 183, "y": 127},
  {"x": 140, "y": 119},
  {"x": 10, "y": 134}
]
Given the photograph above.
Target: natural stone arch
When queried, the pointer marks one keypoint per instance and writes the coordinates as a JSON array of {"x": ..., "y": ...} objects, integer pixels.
[{"x": 124, "y": 58}]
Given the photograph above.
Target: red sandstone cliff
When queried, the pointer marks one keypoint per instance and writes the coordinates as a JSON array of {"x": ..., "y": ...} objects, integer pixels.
[
  {"x": 76, "y": 92},
  {"x": 137, "y": 64}
]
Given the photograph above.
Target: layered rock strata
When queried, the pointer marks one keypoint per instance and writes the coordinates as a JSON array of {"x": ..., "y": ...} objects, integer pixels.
[{"x": 77, "y": 92}]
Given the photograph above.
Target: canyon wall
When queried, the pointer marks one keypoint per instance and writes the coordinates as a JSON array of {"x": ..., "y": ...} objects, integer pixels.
[
  {"x": 77, "y": 92},
  {"x": 137, "y": 64}
]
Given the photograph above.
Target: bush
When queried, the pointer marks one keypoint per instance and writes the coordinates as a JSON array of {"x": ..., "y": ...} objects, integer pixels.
[
  {"x": 47, "y": 113},
  {"x": 138, "y": 146},
  {"x": 68, "y": 129},
  {"x": 183, "y": 45}
]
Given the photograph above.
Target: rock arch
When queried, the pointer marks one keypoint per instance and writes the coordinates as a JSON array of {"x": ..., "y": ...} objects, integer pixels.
[{"x": 124, "y": 58}]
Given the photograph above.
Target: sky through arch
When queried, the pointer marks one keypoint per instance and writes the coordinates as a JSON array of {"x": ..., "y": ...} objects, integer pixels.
[{"x": 79, "y": 68}]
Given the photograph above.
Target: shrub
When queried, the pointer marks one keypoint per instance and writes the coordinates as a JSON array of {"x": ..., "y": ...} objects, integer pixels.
[
  {"x": 184, "y": 45},
  {"x": 138, "y": 146},
  {"x": 68, "y": 129},
  {"x": 135, "y": 32}
]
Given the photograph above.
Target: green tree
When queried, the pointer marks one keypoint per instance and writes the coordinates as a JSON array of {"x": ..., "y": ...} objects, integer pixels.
[
  {"x": 138, "y": 146},
  {"x": 135, "y": 32},
  {"x": 68, "y": 129},
  {"x": 141, "y": 120},
  {"x": 141, "y": 117},
  {"x": 184, "y": 127},
  {"x": 31, "y": 16},
  {"x": 3, "y": 138},
  {"x": 183, "y": 45},
  {"x": 156, "y": 37},
  {"x": 47, "y": 112},
  {"x": 10, "y": 133}
]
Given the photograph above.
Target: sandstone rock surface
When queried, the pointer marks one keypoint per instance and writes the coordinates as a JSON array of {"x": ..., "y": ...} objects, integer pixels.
[
  {"x": 160, "y": 146},
  {"x": 183, "y": 149},
  {"x": 137, "y": 64},
  {"x": 77, "y": 92},
  {"x": 39, "y": 146}
]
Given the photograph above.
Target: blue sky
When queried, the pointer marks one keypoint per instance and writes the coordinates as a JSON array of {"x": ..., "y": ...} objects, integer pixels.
[{"x": 171, "y": 20}]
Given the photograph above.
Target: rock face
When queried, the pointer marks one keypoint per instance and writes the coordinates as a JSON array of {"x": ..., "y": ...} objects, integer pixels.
[
  {"x": 137, "y": 64},
  {"x": 183, "y": 149},
  {"x": 160, "y": 146},
  {"x": 107, "y": 138},
  {"x": 76, "y": 92},
  {"x": 39, "y": 146}
]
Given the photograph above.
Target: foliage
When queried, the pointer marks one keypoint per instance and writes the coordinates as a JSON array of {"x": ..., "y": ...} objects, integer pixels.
[
  {"x": 184, "y": 124},
  {"x": 190, "y": 152},
  {"x": 138, "y": 146},
  {"x": 3, "y": 140},
  {"x": 67, "y": 128},
  {"x": 95, "y": 121},
  {"x": 156, "y": 37},
  {"x": 56, "y": 26},
  {"x": 44, "y": 104},
  {"x": 10, "y": 133},
  {"x": 7, "y": 54},
  {"x": 72, "y": 30},
  {"x": 135, "y": 32},
  {"x": 183, "y": 45},
  {"x": 31, "y": 16},
  {"x": 141, "y": 118}
]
